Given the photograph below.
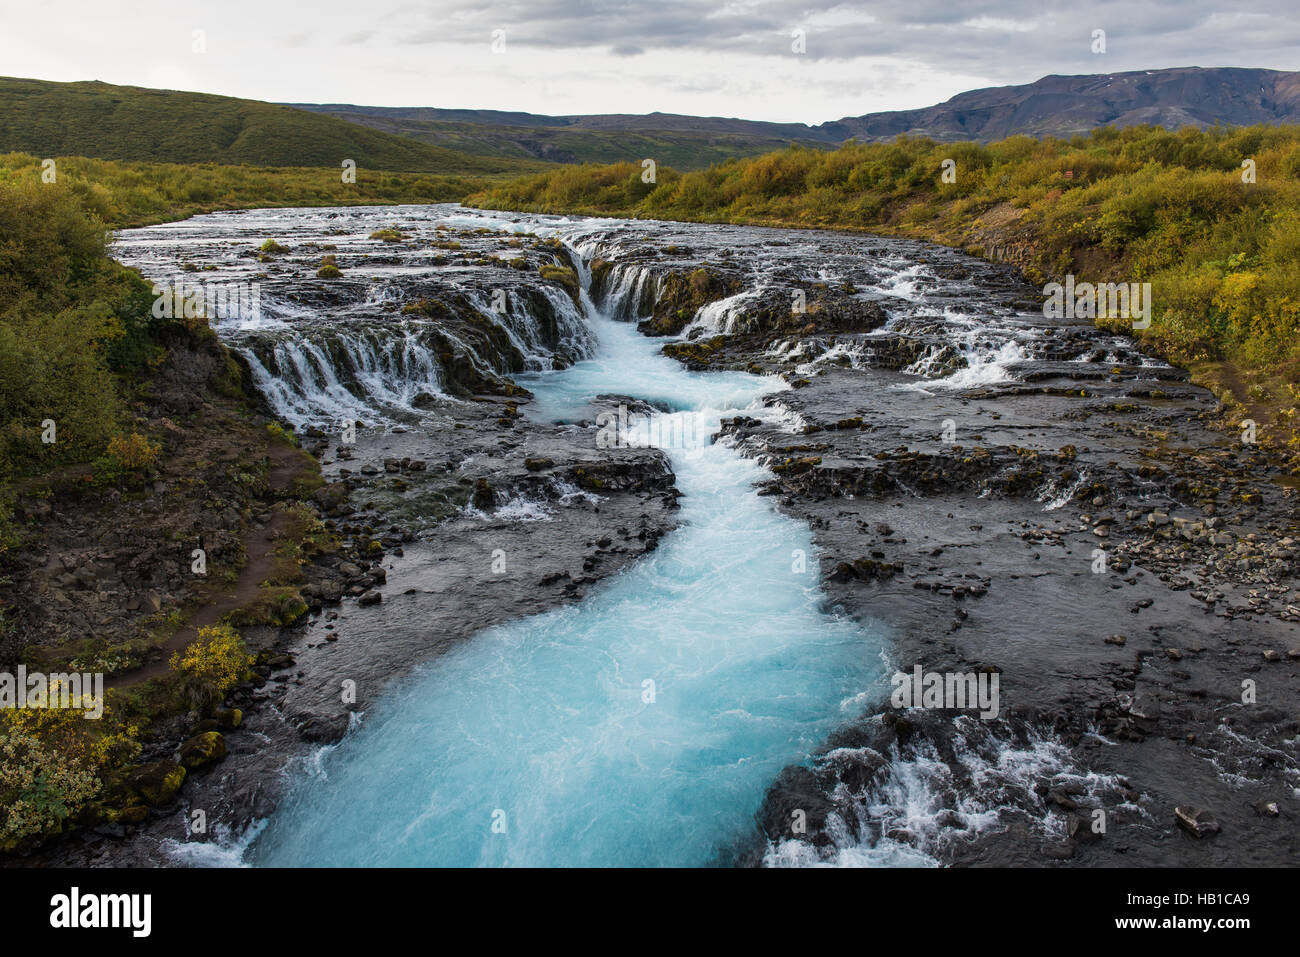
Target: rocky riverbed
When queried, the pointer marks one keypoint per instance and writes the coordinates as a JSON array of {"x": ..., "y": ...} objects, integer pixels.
[
  {"x": 1127, "y": 571},
  {"x": 1000, "y": 493}
]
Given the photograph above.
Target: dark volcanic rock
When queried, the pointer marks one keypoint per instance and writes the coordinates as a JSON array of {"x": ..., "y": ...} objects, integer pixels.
[
  {"x": 159, "y": 781},
  {"x": 202, "y": 749}
]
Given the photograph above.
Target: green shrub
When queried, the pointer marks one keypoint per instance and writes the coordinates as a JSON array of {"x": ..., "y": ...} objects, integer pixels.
[
  {"x": 281, "y": 434},
  {"x": 129, "y": 458},
  {"x": 70, "y": 319},
  {"x": 51, "y": 763},
  {"x": 212, "y": 665},
  {"x": 41, "y": 789}
]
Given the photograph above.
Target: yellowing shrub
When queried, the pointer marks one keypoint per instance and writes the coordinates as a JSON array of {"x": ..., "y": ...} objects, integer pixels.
[
  {"x": 213, "y": 664},
  {"x": 134, "y": 453}
]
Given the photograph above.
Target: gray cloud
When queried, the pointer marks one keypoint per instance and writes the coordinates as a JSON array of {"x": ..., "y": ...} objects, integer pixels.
[
  {"x": 1013, "y": 40},
  {"x": 712, "y": 57}
]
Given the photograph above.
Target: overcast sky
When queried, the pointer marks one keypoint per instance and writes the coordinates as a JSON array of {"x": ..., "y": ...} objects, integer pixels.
[{"x": 629, "y": 56}]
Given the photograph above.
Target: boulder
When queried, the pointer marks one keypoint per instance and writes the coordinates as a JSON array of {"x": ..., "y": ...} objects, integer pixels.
[
  {"x": 203, "y": 749},
  {"x": 1196, "y": 821},
  {"x": 158, "y": 781}
]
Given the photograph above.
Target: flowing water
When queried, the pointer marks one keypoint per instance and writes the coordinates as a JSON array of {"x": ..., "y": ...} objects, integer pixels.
[{"x": 638, "y": 728}]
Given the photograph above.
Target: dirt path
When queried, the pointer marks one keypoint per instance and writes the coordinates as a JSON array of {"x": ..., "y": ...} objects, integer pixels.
[{"x": 259, "y": 546}]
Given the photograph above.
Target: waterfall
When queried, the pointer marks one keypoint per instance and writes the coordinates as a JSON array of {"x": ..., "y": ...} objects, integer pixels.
[{"x": 332, "y": 377}]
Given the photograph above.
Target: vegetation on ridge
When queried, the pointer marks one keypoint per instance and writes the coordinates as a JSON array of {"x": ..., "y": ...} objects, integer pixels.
[
  {"x": 136, "y": 124},
  {"x": 140, "y": 194}
]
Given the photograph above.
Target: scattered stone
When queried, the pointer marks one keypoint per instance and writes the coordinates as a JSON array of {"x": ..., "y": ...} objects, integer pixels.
[
  {"x": 1061, "y": 799},
  {"x": 1079, "y": 828},
  {"x": 1196, "y": 821},
  {"x": 864, "y": 569},
  {"x": 1058, "y": 852}
]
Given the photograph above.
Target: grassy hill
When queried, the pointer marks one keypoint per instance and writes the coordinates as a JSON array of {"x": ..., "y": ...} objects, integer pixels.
[
  {"x": 131, "y": 123},
  {"x": 684, "y": 142}
]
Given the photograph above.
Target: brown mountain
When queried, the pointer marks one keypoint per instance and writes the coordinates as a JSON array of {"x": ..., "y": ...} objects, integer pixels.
[{"x": 1066, "y": 105}]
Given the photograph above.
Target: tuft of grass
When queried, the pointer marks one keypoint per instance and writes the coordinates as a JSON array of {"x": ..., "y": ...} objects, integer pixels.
[{"x": 564, "y": 275}]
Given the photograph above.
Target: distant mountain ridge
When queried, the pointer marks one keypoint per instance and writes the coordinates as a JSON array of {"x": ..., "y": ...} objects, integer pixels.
[
  {"x": 685, "y": 142},
  {"x": 1052, "y": 106},
  {"x": 1066, "y": 105}
]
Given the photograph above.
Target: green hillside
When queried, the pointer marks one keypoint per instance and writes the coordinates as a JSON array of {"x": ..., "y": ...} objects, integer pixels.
[
  {"x": 131, "y": 123},
  {"x": 685, "y": 143}
]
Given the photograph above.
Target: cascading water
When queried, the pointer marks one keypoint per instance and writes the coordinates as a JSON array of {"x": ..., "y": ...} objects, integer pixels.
[
  {"x": 359, "y": 347},
  {"x": 641, "y": 727},
  {"x": 338, "y": 376}
]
